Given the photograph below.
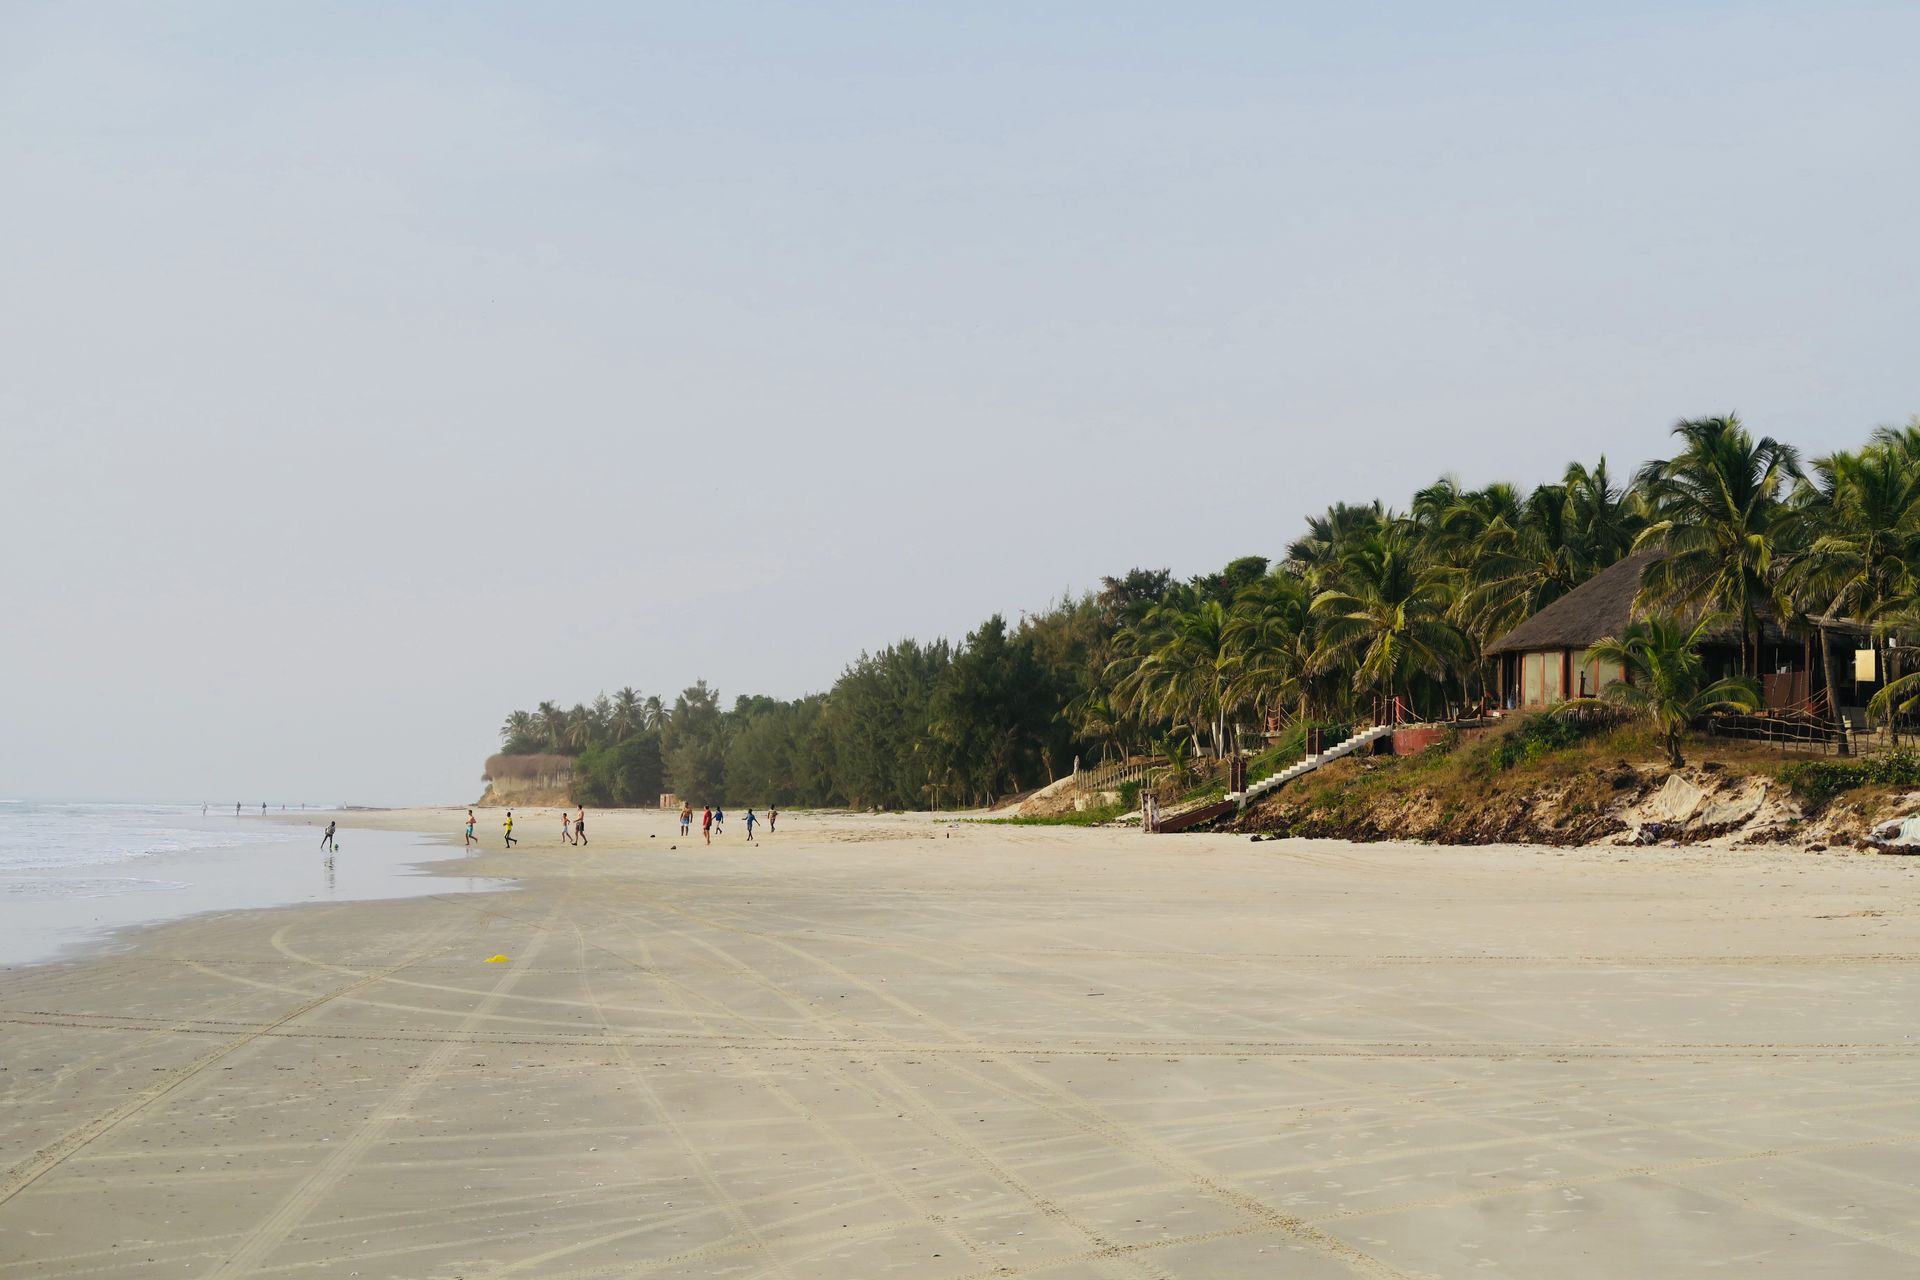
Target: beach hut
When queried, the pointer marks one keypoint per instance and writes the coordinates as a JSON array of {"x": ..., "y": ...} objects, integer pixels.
[{"x": 1546, "y": 660}]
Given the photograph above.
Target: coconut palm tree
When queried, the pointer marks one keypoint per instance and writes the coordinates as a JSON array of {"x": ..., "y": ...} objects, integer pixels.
[
  {"x": 1318, "y": 553},
  {"x": 1601, "y": 520},
  {"x": 521, "y": 731},
  {"x": 1177, "y": 667},
  {"x": 581, "y": 729},
  {"x": 624, "y": 716},
  {"x": 1666, "y": 680},
  {"x": 1385, "y": 619},
  {"x": 1269, "y": 641},
  {"x": 553, "y": 724},
  {"x": 1858, "y": 516},
  {"x": 1717, "y": 513}
]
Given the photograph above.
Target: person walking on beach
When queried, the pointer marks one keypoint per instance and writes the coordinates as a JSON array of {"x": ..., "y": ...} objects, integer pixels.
[
  {"x": 750, "y": 821},
  {"x": 566, "y": 827},
  {"x": 580, "y": 826},
  {"x": 773, "y": 816},
  {"x": 236, "y": 808},
  {"x": 719, "y": 821},
  {"x": 326, "y": 838},
  {"x": 706, "y": 824},
  {"x": 263, "y": 808},
  {"x": 471, "y": 838},
  {"x": 509, "y": 827},
  {"x": 686, "y": 819}
]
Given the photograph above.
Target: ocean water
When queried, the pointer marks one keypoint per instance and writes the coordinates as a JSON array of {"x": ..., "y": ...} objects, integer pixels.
[{"x": 71, "y": 875}]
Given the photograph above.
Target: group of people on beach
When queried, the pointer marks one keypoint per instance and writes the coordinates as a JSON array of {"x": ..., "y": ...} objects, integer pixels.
[
  {"x": 573, "y": 827},
  {"x": 713, "y": 821}
]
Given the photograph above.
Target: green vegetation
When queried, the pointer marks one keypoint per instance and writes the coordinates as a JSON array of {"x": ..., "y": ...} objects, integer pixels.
[
  {"x": 1531, "y": 738},
  {"x": 1669, "y": 681},
  {"x": 1818, "y": 782},
  {"x": 1367, "y": 605}
]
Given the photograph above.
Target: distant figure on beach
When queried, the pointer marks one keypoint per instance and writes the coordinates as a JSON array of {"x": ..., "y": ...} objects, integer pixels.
[
  {"x": 686, "y": 817},
  {"x": 203, "y": 808},
  {"x": 750, "y": 821},
  {"x": 773, "y": 816},
  {"x": 471, "y": 838},
  {"x": 580, "y": 826},
  {"x": 263, "y": 808},
  {"x": 236, "y": 808},
  {"x": 327, "y": 841},
  {"x": 509, "y": 828},
  {"x": 719, "y": 821},
  {"x": 566, "y": 826},
  {"x": 706, "y": 824}
]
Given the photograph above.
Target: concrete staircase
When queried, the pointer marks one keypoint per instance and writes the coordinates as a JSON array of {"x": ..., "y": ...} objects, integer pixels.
[{"x": 1273, "y": 782}]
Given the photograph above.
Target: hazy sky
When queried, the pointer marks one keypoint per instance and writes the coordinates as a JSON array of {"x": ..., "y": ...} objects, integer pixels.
[{"x": 370, "y": 371}]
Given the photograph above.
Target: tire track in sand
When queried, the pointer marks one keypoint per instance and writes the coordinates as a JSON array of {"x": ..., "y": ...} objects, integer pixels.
[
  {"x": 273, "y": 1230},
  {"x": 36, "y": 1166}
]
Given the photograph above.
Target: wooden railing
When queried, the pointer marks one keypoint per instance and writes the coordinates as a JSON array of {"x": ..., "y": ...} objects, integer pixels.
[{"x": 1111, "y": 777}]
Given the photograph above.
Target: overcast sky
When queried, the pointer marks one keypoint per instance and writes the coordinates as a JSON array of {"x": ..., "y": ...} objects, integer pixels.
[{"x": 371, "y": 371}]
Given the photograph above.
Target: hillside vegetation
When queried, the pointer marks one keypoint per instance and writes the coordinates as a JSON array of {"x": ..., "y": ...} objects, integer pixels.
[
  {"x": 1538, "y": 780},
  {"x": 1367, "y": 606}
]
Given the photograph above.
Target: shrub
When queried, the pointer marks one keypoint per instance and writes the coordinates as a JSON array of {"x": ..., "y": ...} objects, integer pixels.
[
  {"x": 1816, "y": 782},
  {"x": 1535, "y": 737}
]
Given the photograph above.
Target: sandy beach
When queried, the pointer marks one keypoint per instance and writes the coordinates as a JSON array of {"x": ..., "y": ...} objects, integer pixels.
[{"x": 897, "y": 1046}]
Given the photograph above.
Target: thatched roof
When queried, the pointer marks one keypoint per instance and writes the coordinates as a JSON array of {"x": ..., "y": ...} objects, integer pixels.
[{"x": 1601, "y": 606}]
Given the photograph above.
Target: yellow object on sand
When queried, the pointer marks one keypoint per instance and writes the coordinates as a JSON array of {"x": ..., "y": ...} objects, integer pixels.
[{"x": 496, "y": 960}]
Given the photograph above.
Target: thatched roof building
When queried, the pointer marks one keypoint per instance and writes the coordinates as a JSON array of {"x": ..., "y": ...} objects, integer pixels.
[
  {"x": 1544, "y": 660},
  {"x": 1601, "y": 606}
]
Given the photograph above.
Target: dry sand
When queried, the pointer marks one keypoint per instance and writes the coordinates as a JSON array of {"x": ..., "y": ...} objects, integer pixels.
[{"x": 873, "y": 1047}]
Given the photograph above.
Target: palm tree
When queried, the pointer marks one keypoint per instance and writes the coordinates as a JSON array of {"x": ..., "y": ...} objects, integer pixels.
[
  {"x": 520, "y": 731},
  {"x": 1269, "y": 641},
  {"x": 1176, "y": 668},
  {"x": 1602, "y": 521},
  {"x": 624, "y": 718},
  {"x": 1386, "y": 618},
  {"x": 1717, "y": 513},
  {"x": 553, "y": 723},
  {"x": 580, "y": 727},
  {"x": 1859, "y": 519},
  {"x": 1313, "y": 556},
  {"x": 1668, "y": 681},
  {"x": 653, "y": 713},
  {"x": 1095, "y": 721}
]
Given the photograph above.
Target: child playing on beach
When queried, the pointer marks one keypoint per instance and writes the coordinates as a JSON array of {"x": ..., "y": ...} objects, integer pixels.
[
  {"x": 750, "y": 821},
  {"x": 706, "y": 824},
  {"x": 773, "y": 816},
  {"x": 719, "y": 821},
  {"x": 509, "y": 827},
  {"x": 566, "y": 827},
  {"x": 326, "y": 838},
  {"x": 471, "y": 838}
]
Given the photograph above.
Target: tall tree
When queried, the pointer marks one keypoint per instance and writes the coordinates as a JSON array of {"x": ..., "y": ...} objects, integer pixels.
[
  {"x": 1384, "y": 619},
  {"x": 1717, "y": 511}
]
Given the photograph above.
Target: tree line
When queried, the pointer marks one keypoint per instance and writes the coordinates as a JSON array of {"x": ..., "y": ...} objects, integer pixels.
[{"x": 1367, "y": 603}]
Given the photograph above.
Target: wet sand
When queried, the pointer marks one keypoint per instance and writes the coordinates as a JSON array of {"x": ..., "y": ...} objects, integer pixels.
[{"x": 878, "y": 1046}]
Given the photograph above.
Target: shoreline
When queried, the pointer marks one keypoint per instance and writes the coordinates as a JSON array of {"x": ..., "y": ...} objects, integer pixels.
[
  {"x": 880, "y": 1042},
  {"x": 51, "y": 912}
]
